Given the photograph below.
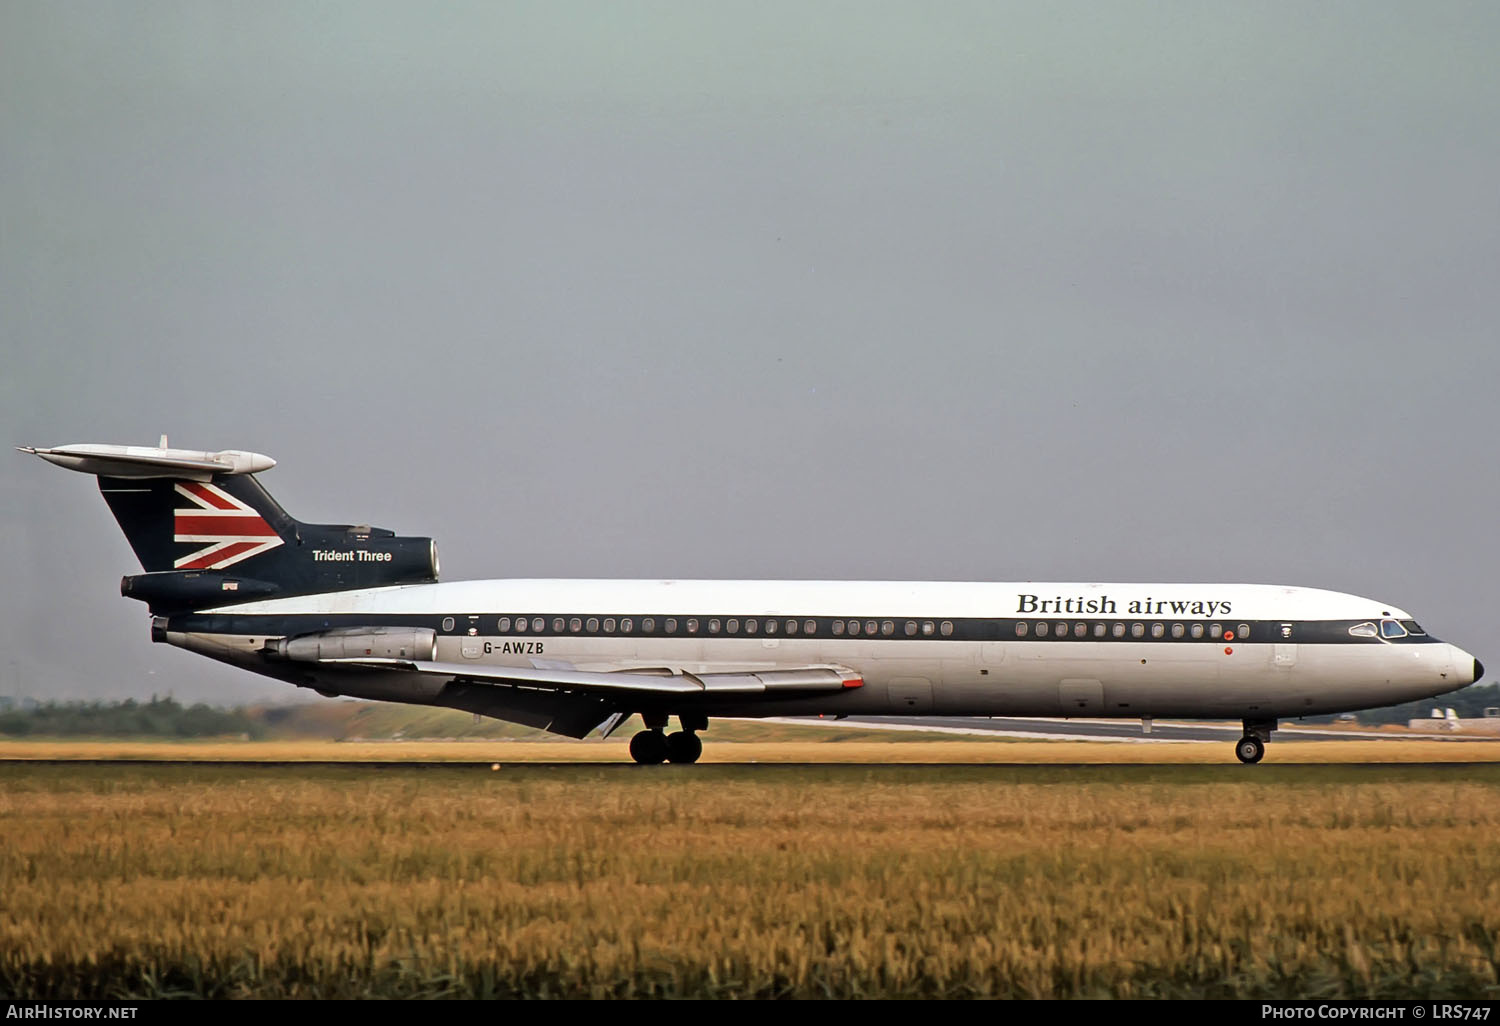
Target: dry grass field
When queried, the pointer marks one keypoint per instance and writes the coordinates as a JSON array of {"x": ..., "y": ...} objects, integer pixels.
[{"x": 750, "y": 880}]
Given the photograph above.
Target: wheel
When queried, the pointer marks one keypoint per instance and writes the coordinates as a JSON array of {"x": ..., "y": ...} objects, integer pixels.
[
  {"x": 648, "y": 747},
  {"x": 684, "y": 746},
  {"x": 1249, "y": 749}
]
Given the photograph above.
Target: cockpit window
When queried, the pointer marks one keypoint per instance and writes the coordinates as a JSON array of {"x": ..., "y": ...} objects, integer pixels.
[
  {"x": 1412, "y": 627},
  {"x": 1363, "y": 630},
  {"x": 1391, "y": 629}
]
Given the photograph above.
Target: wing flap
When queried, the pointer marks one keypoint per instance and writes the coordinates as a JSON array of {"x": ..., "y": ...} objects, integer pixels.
[
  {"x": 761, "y": 682},
  {"x": 573, "y": 680}
]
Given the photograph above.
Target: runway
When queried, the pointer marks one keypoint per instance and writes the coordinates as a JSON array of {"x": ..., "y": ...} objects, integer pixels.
[{"x": 1127, "y": 731}]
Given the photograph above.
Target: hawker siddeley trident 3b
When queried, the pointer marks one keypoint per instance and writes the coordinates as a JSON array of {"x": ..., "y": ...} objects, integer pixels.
[{"x": 356, "y": 610}]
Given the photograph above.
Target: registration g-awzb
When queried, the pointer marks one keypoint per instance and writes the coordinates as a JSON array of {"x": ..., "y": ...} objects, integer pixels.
[{"x": 358, "y": 611}]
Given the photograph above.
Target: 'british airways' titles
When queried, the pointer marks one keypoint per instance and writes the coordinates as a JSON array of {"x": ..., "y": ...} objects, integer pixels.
[{"x": 1103, "y": 605}]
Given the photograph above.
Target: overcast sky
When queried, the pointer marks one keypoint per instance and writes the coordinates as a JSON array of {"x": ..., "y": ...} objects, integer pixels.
[{"x": 1158, "y": 292}]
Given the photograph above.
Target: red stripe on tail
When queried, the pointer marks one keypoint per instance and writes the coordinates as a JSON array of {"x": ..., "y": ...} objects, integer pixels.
[
  {"x": 248, "y": 526},
  {"x": 219, "y": 556},
  {"x": 209, "y": 496}
]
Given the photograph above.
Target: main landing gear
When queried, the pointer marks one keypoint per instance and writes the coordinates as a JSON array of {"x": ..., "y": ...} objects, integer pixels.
[
  {"x": 653, "y": 746},
  {"x": 1250, "y": 748}
]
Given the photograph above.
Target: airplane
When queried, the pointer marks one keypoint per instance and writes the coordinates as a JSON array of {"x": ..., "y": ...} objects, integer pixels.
[{"x": 355, "y": 610}]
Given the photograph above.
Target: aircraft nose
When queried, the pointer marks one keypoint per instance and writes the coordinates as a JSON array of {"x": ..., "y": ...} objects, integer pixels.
[{"x": 1459, "y": 662}]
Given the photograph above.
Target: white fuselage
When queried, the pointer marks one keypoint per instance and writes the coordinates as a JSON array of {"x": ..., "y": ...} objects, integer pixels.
[{"x": 1018, "y": 649}]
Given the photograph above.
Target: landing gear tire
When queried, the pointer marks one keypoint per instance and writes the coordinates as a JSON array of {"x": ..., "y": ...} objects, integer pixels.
[
  {"x": 1249, "y": 749},
  {"x": 649, "y": 747},
  {"x": 683, "y": 746}
]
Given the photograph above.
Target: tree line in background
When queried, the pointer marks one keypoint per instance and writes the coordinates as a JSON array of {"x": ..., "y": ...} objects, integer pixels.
[
  {"x": 160, "y": 717},
  {"x": 166, "y": 717}
]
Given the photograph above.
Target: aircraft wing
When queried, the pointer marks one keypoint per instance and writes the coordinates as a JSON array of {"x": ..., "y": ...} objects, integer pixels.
[{"x": 625, "y": 683}]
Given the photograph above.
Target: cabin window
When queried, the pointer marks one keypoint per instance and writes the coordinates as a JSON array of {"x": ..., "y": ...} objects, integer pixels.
[
  {"x": 671, "y": 625},
  {"x": 791, "y": 626},
  {"x": 928, "y": 627},
  {"x": 770, "y": 626},
  {"x": 911, "y": 628},
  {"x": 692, "y": 625},
  {"x": 888, "y": 628},
  {"x": 1178, "y": 630},
  {"x": 521, "y": 624},
  {"x": 1197, "y": 630},
  {"x": 648, "y": 624},
  {"x": 871, "y": 627},
  {"x": 1041, "y": 629},
  {"x": 609, "y": 625},
  {"x": 1020, "y": 628},
  {"x": 1391, "y": 629},
  {"x": 1137, "y": 630},
  {"x": 627, "y": 625},
  {"x": 809, "y": 626},
  {"x": 947, "y": 628},
  {"x": 593, "y": 625},
  {"x": 557, "y": 625},
  {"x": 1364, "y": 630},
  {"x": 447, "y": 623},
  {"x": 838, "y": 628},
  {"x": 1118, "y": 630},
  {"x": 1157, "y": 630},
  {"x": 733, "y": 626},
  {"x": 1080, "y": 630},
  {"x": 1214, "y": 630},
  {"x": 713, "y": 625},
  {"x": 751, "y": 626},
  {"x": 1062, "y": 630},
  {"x": 575, "y": 625},
  {"x": 1244, "y": 632},
  {"x": 503, "y": 625},
  {"x": 1098, "y": 630}
]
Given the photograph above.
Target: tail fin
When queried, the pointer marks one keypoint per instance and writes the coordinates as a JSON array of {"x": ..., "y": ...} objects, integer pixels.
[
  {"x": 209, "y": 534},
  {"x": 197, "y": 525}
]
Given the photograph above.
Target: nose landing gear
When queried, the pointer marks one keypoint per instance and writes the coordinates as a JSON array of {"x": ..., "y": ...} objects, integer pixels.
[{"x": 1250, "y": 748}]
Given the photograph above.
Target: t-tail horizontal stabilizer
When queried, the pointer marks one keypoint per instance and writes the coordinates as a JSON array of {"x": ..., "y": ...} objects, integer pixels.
[{"x": 139, "y": 461}]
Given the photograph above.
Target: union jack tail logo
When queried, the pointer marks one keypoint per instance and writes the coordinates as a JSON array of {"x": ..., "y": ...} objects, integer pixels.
[{"x": 228, "y": 529}]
